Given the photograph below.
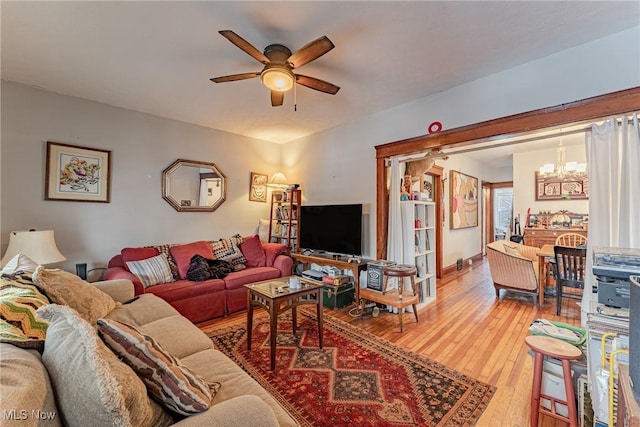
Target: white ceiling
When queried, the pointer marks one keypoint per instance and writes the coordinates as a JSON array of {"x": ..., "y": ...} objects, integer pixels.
[{"x": 157, "y": 57}]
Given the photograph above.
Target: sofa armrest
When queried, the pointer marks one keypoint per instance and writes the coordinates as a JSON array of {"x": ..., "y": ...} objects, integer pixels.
[
  {"x": 120, "y": 290},
  {"x": 245, "y": 410},
  {"x": 284, "y": 263},
  {"x": 114, "y": 273},
  {"x": 529, "y": 252}
]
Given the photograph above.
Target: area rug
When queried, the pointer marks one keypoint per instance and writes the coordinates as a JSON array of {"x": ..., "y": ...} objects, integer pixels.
[{"x": 357, "y": 379}]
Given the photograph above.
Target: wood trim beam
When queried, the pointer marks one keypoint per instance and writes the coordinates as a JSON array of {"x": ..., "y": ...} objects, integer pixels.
[{"x": 614, "y": 103}]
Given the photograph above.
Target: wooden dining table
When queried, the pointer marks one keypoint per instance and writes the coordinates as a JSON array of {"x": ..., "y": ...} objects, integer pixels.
[{"x": 545, "y": 252}]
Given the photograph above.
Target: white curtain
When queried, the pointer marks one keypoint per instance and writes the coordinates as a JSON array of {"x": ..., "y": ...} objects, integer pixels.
[
  {"x": 394, "y": 237},
  {"x": 613, "y": 162}
]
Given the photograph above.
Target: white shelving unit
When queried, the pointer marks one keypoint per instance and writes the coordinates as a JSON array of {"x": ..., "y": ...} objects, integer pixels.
[{"x": 419, "y": 245}]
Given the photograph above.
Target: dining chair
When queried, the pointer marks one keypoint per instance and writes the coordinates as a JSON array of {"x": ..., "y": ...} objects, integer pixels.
[
  {"x": 572, "y": 240},
  {"x": 570, "y": 264}
]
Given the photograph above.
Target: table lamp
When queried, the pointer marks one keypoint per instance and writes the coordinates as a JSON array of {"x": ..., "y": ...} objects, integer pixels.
[
  {"x": 278, "y": 182},
  {"x": 40, "y": 246}
]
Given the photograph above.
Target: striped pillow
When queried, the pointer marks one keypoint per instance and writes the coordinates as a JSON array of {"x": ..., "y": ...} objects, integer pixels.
[
  {"x": 169, "y": 382},
  {"x": 152, "y": 271}
]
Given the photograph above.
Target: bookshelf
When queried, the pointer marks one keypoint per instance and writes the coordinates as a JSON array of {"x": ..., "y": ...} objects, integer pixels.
[
  {"x": 283, "y": 218},
  {"x": 419, "y": 235}
]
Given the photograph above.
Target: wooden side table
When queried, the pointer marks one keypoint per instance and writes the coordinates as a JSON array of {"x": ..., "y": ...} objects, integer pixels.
[{"x": 277, "y": 297}]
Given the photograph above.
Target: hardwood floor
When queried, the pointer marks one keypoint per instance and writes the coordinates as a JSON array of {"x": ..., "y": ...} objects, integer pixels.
[{"x": 468, "y": 329}]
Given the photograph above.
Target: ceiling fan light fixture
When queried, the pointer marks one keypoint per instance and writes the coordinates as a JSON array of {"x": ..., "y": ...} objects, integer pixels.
[{"x": 279, "y": 79}]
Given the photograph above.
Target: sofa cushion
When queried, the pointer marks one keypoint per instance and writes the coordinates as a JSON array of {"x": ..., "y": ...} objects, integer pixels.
[
  {"x": 251, "y": 275},
  {"x": 68, "y": 289},
  {"x": 181, "y": 289},
  {"x": 166, "y": 250},
  {"x": 272, "y": 250},
  {"x": 213, "y": 365},
  {"x": 146, "y": 308},
  {"x": 177, "y": 387},
  {"x": 182, "y": 254},
  {"x": 152, "y": 271},
  {"x": 177, "y": 335},
  {"x": 25, "y": 386},
  {"x": 92, "y": 387},
  {"x": 19, "y": 300},
  {"x": 253, "y": 252},
  {"x": 137, "y": 254}
]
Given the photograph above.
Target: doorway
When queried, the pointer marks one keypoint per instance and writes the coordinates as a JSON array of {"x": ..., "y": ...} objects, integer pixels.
[{"x": 498, "y": 211}]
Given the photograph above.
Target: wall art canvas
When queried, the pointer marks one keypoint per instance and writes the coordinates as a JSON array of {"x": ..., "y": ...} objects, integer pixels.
[
  {"x": 463, "y": 198},
  {"x": 79, "y": 174},
  {"x": 258, "y": 187}
]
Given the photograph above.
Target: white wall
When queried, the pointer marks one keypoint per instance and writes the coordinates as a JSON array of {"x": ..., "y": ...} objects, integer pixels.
[
  {"x": 338, "y": 164},
  {"x": 142, "y": 146}
]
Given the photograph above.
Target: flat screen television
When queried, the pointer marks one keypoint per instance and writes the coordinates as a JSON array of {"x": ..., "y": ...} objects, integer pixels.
[{"x": 332, "y": 228}]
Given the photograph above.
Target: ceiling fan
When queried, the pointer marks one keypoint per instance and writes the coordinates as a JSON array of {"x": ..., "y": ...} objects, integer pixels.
[{"x": 279, "y": 63}]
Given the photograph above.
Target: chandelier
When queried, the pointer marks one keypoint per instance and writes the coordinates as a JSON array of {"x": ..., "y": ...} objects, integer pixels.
[{"x": 562, "y": 168}]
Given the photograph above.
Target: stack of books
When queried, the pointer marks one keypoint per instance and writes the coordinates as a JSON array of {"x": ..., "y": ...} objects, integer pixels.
[{"x": 336, "y": 280}]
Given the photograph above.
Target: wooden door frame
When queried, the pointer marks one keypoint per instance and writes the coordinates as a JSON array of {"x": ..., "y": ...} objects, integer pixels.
[
  {"x": 589, "y": 109},
  {"x": 491, "y": 186}
]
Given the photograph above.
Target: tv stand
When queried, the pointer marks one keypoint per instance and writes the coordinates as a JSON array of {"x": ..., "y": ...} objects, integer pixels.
[{"x": 342, "y": 262}]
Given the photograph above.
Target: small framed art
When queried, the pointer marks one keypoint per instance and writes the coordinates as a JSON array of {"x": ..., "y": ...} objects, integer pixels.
[
  {"x": 258, "y": 188},
  {"x": 78, "y": 174}
]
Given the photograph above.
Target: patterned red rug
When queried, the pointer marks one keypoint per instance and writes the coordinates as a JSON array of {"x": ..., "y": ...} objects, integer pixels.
[{"x": 357, "y": 379}]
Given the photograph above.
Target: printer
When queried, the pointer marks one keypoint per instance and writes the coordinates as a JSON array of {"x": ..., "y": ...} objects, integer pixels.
[{"x": 612, "y": 268}]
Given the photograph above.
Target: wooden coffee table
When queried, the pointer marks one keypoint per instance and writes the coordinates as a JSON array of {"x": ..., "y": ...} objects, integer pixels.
[{"x": 277, "y": 297}]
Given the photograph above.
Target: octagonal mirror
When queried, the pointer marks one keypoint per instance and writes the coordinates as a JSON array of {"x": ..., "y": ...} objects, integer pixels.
[{"x": 194, "y": 186}]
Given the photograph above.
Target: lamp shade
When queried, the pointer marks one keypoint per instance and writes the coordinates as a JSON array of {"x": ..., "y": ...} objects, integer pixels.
[
  {"x": 40, "y": 246},
  {"x": 278, "y": 180}
]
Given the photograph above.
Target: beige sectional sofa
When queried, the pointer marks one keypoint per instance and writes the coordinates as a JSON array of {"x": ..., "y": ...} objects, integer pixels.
[{"x": 58, "y": 387}]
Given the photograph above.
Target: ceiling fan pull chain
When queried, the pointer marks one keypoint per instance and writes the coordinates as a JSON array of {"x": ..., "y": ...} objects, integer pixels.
[{"x": 295, "y": 97}]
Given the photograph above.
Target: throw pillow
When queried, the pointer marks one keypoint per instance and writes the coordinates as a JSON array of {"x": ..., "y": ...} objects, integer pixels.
[
  {"x": 137, "y": 254},
  {"x": 168, "y": 381},
  {"x": 68, "y": 289},
  {"x": 512, "y": 251},
  {"x": 152, "y": 271},
  {"x": 19, "y": 300},
  {"x": 252, "y": 250},
  {"x": 272, "y": 250},
  {"x": 183, "y": 254},
  {"x": 20, "y": 264},
  {"x": 229, "y": 250},
  {"x": 166, "y": 250},
  {"x": 92, "y": 387},
  {"x": 263, "y": 230}
]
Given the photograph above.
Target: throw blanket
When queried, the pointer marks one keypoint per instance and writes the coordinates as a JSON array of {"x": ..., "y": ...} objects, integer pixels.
[{"x": 201, "y": 269}]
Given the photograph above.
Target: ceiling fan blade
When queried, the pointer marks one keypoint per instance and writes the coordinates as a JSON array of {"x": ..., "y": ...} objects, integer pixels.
[
  {"x": 277, "y": 98},
  {"x": 317, "y": 84},
  {"x": 310, "y": 51},
  {"x": 245, "y": 46},
  {"x": 234, "y": 77}
]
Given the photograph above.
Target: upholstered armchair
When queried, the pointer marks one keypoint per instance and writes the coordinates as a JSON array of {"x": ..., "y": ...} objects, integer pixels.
[{"x": 514, "y": 267}]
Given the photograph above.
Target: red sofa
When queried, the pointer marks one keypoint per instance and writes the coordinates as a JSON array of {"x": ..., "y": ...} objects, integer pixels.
[{"x": 200, "y": 301}]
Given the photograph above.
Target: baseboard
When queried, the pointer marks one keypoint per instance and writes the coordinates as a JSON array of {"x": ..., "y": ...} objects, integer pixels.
[{"x": 452, "y": 269}]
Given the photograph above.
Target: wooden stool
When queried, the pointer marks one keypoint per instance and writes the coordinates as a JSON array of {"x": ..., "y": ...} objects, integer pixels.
[
  {"x": 547, "y": 346},
  {"x": 401, "y": 271}
]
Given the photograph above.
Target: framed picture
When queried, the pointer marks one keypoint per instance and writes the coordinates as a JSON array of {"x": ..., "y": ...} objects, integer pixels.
[
  {"x": 569, "y": 187},
  {"x": 78, "y": 174},
  {"x": 463, "y": 198},
  {"x": 258, "y": 187}
]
